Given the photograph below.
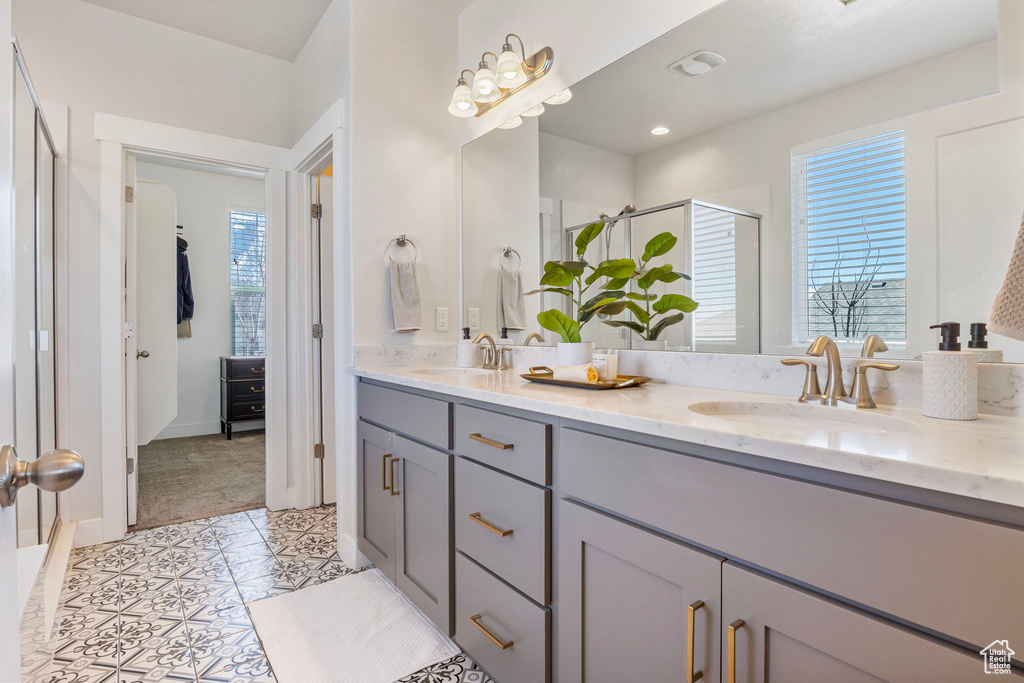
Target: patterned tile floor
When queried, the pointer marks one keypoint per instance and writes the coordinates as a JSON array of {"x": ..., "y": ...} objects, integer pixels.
[{"x": 170, "y": 604}]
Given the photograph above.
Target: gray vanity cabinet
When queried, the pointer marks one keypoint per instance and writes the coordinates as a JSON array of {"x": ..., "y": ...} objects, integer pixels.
[
  {"x": 423, "y": 557},
  {"x": 634, "y": 605},
  {"x": 783, "y": 633},
  {"x": 375, "y": 450}
]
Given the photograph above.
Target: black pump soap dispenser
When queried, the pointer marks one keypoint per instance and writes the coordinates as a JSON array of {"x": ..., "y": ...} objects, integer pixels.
[
  {"x": 949, "y": 378},
  {"x": 979, "y": 345}
]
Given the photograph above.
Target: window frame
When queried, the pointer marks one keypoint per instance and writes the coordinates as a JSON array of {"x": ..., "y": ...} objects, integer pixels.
[{"x": 261, "y": 222}]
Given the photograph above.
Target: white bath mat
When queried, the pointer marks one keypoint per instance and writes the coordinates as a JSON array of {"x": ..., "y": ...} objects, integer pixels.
[{"x": 354, "y": 628}]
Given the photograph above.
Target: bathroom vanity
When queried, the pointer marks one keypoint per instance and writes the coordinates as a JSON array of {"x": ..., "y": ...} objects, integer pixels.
[{"x": 564, "y": 535}]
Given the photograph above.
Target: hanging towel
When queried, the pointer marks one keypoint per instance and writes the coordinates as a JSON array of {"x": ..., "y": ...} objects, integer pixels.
[
  {"x": 405, "y": 296},
  {"x": 511, "y": 307},
  {"x": 1007, "y": 317}
]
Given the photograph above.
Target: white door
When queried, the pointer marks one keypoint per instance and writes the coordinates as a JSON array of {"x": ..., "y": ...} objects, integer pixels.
[{"x": 324, "y": 364}]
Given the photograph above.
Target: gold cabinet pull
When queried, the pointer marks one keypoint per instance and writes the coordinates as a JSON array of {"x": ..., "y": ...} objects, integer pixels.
[
  {"x": 257, "y": 391},
  {"x": 691, "y": 611},
  {"x": 257, "y": 410},
  {"x": 494, "y": 639},
  {"x": 475, "y": 516},
  {"x": 483, "y": 439},
  {"x": 394, "y": 482},
  {"x": 384, "y": 472},
  {"x": 258, "y": 372},
  {"x": 732, "y": 649}
]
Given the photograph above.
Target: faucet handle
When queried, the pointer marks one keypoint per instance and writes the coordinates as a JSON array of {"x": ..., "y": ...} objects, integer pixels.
[
  {"x": 812, "y": 390},
  {"x": 860, "y": 392}
]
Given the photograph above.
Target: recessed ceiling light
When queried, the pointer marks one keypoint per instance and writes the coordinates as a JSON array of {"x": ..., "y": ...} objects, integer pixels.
[
  {"x": 698, "y": 63},
  {"x": 660, "y": 130}
]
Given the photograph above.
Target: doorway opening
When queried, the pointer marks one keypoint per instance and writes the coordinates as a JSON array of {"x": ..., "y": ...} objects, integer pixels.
[{"x": 195, "y": 303}]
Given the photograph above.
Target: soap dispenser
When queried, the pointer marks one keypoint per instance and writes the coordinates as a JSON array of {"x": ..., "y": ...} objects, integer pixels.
[
  {"x": 466, "y": 352},
  {"x": 949, "y": 379},
  {"x": 979, "y": 345}
]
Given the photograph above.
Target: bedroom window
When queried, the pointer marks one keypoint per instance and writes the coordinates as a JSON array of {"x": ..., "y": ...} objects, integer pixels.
[{"x": 248, "y": 283}]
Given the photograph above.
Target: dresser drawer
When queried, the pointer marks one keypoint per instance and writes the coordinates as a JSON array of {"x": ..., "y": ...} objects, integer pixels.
[
  {"x": 250, "y": 410},
  {"x": 951, "y": 574},
  {"x": 243, "y": 367},
  {"x": 421, "y": 417},
  {"x": 511, "y": 619},
  {"x": 512, "y": 444},
  {"x": 503, "y": 523},
  {"x": 245, "y": 390}
]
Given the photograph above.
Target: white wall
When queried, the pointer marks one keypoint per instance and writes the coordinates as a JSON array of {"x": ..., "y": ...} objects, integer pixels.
[
  {"x": 572, "y": 171},
  {"x": 744, "y": 158},
  {"x": 205, "y": 201},
  {"x": 322, "y": 69},
  {"x": 96, "y": 60}
]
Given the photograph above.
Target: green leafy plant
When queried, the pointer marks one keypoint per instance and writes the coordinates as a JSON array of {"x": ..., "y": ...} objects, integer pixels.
[
  {"x": 574, "y": 279},
  {"x": 654, "y": 314}
]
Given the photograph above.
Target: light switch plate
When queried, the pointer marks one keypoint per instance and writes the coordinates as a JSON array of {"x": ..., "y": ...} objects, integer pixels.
[
  {"x": 442, "y": 319},
  {"x": 473, "y": 319}
]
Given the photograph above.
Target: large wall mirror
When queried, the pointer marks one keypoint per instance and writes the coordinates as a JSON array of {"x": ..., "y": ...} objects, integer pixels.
[{"x": 828, "y": 168}]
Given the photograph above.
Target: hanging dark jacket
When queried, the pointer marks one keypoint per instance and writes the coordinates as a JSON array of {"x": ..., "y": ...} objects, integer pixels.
[{"x": 186, "y": 303}]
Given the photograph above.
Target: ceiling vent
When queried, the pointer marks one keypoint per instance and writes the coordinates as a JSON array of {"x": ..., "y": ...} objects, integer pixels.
[{"x": 698, "y": 63}]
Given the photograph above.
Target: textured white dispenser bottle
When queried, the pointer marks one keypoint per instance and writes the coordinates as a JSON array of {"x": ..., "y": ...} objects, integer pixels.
[
  {"x": 466, "y": 352},
  {"x": 949, "y": 381}
]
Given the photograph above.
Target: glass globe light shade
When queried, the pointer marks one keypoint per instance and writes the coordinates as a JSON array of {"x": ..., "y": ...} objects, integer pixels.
[
  {"x": 484, "y": 87},
  {"x": 462, "y": 104}
]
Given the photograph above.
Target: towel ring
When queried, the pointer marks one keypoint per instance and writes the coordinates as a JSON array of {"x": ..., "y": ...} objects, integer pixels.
[
  {"x": 402, "y": 241},
  {"x": 509, "y": 251}
]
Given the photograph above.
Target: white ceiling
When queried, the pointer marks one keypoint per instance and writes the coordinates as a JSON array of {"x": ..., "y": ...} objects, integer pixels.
[
  {"x": 778, "y": 53},
  {"x": 278, "y": 28}
]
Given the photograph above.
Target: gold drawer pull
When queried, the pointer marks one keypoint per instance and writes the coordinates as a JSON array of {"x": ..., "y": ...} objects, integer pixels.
[
  {"x": 475, "y": 516},
  {"x": 732, "y": 649},
  {"x": 483, "y": 629},
  {"x": 384, "y": 472},
  {"x": 257, "y": 410},
  {"x": 258, "y": 372},
  {"x": 691, "y": 611},
  {"x": 257, "y": 391},
  {"x": 394, "y": 482},
  {"x": 501, "y": 446}
]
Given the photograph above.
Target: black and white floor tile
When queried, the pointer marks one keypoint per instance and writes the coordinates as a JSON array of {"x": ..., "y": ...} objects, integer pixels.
[{"x": 169, "y": 604}]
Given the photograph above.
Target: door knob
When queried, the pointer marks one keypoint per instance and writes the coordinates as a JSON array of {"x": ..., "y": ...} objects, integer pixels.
[
  {"x": 54, "y": 471},
  {"x": 142, "y": 354}
]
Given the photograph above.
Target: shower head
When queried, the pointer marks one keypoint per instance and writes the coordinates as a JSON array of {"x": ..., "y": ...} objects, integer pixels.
[{"x": 628, "y": 208}]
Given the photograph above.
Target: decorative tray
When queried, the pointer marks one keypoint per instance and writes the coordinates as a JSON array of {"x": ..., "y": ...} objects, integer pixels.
[{"x": 545, "y": 375}]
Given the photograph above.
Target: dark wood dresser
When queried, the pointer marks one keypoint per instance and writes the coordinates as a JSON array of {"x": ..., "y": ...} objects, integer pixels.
[{"x": 242, "y": 397}]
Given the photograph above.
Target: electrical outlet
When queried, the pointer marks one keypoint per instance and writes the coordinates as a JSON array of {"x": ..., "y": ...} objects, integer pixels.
[
  {"x": 474, "y": 319},
  {"x": 442, "y": 319}
]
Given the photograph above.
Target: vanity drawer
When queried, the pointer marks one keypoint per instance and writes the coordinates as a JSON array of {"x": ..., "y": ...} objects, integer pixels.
[
  {"x": 511, "y": 444},
  {"x": 951, "y": 574},
  {"x": 503, "y": 524},
  {"x": 523, "y": 627},
  {"x": 421, "y": 417}
]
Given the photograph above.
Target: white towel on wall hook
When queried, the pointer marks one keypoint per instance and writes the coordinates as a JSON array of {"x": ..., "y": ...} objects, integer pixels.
[
  {"x": 405, "y": 296},
  {"x": 511, "y": 306},
  {"x": 1007, "y": 317}
]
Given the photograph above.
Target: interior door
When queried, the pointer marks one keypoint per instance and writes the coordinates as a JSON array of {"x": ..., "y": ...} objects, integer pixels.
[{"x": 323, "y": 345}]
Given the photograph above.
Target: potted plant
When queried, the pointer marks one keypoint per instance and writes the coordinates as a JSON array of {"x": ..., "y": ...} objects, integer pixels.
[
  {"x": 574, "y": 279},
  {"x": 654, "y": 314}
]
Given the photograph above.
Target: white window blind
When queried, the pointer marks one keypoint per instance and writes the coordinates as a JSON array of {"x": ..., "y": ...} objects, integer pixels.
[
  {"x": 849, "y": 241},
  {"x": 714, "y": 274},
  {"x": 248, "y": 283}
]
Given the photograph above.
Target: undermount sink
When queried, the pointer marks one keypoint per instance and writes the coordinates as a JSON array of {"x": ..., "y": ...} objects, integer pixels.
[
  {"x": 451, "y": 371},
  {"x": 803, "y": 416}
]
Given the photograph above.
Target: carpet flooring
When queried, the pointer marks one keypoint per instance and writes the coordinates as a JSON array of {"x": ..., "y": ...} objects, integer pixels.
[{"x": 196, "y": 477}]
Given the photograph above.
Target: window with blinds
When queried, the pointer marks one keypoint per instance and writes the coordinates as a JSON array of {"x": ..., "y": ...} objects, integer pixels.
[
  {"x": 248, "y": 283},
  {"x": 714, "y": 274},
  {"x": 849, "y": 241}
]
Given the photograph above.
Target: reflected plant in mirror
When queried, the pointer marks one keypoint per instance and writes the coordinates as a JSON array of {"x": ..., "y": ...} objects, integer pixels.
[
  {"x": 657, "y": 312},
  {"x": 574, "y": 279}
]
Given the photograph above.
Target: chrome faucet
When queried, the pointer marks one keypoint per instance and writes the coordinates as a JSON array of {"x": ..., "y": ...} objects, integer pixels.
[
  {"x": 835, "y": 390},
  {"x": 873, "y": 344},
  {"x": 533, "y": 335},
  {"x": 490, "y": 353}
]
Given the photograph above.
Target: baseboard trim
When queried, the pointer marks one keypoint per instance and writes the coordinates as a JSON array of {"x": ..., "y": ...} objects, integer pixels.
[
  {"x": 90, "y": 532},
  {"x": 204, "y": 429},
  {"x": 349, "y": 553}
]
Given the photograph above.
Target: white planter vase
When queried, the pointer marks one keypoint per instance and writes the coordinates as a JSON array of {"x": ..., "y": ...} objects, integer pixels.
[
  {"x": 576, "y": 353},
  {"x": 641, "y": 345}
]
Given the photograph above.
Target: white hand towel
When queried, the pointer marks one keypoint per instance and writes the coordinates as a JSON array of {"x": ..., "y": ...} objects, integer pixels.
[
  {"x": 1007, "y": 317},
  {"x": 511, "y": 306},
  {"x": 405, "y": 296}
]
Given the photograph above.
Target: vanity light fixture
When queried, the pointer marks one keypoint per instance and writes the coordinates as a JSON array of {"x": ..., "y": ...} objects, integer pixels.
[
  {"x": 534, "y": 111},
  {"x": 559, "y": 98},
  {"x": 512, "y": 123},
  {"x": 514, "y": 72},
  {"x": 660, "y": 130}
]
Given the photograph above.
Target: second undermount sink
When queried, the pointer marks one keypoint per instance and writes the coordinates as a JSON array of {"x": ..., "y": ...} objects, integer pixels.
[
  {"x": 451, "y": 371},
  {"x": 803, "y": 416}
]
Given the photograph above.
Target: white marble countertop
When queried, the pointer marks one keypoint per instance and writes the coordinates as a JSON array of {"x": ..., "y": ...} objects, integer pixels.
[{"x": 981, "y": 459}]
